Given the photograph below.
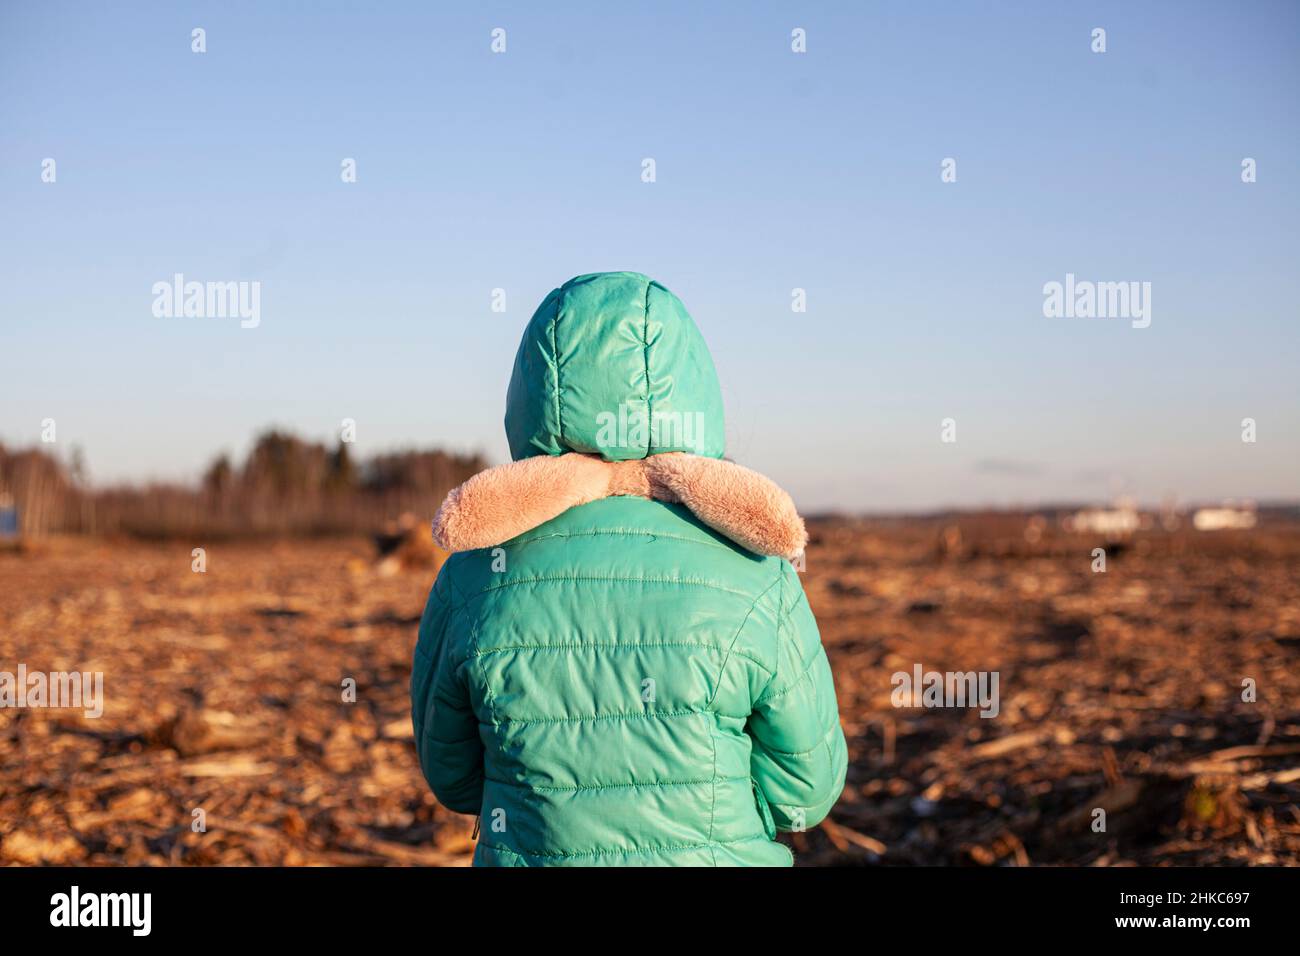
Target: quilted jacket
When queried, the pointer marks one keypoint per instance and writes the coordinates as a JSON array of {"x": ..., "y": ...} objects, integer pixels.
[{"x": 623, "y": 684}]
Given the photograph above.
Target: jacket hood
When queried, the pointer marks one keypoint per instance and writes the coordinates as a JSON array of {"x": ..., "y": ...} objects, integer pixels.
[{"x": 611, "y": 364}]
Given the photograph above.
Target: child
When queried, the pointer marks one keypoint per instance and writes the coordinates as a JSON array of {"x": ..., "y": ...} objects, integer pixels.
[{"x": 619, "y": 667}]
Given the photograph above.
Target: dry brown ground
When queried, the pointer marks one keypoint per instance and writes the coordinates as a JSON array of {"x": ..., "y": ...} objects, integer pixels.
[{"x": 1119, "y": 691}]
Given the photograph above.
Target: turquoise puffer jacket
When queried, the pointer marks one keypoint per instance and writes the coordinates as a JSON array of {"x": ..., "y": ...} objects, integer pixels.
[{"x": 622, "y": 684}]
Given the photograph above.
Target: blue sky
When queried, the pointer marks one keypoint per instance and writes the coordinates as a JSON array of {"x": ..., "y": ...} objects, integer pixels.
[{"x": 775, "y": 170}]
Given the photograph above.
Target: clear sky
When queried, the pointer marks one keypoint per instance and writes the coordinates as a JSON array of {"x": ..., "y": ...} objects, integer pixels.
[{"x": 775, "y": 170}]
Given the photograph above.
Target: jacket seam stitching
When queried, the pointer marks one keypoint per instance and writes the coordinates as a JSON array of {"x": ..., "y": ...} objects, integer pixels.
[
  {"x": 645, "y": 352},
  {"x": 455, "y": 592},
  {"x": 555, "y": 358},
  {"x": 614, "y": 646},
  {"x": 713, "y": 803},
  {"x": 803, "y": 675},
  {"x": 614, "y": 786},
  {"x": 799, "y": 753},
  {"x": 622, "y": 532},
  {"x": 666, "y": 848},
  {"x": 722, "y": 668},
  {"x": 788, "y": 613},
  {"x": 830, "y": 756},
  {"x": 780, "y": 620},
  {"x": 555, "y": 579},
  {"x": 431, "y": 692},
  {"x": 489, "y": 698},
  {"x": 621, "y": 715}
]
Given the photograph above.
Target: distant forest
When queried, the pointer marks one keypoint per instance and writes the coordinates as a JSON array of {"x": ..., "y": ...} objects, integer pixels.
[{"x": 286, "y": 486}]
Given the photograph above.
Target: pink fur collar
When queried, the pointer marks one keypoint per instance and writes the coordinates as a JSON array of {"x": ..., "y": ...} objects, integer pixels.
[{"x": 502, "y": 502}]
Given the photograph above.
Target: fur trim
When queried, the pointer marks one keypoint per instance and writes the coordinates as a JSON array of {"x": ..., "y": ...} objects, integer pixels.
[{"x": 502, "y": 502}]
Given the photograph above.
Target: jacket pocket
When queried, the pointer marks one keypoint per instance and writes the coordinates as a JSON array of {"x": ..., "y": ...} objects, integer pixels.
[{"x": 764, "y": 811}]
